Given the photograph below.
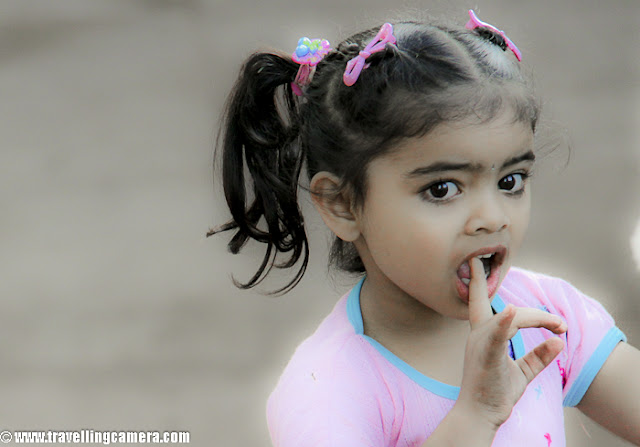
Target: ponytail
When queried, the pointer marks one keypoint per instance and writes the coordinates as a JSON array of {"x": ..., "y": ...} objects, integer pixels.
[{"x": 259, "y": 132}]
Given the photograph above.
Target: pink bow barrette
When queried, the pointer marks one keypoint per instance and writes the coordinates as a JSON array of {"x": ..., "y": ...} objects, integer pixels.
[
  {"x": 378, "y": 43},
  {"x": 308, "y": 54},
  {"x": 474, "y": 22}
]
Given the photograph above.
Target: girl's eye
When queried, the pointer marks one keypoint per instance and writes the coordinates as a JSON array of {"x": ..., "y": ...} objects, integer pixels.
[
  {"x": 513, "y": 183},
  {"x": 441, "y": 191}
]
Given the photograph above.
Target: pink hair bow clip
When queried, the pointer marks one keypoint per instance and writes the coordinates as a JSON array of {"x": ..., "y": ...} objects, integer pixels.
[
  {"x": 474, "y": 22},
  {"x": 308, "y": 54},
  {"x": 357, "y": 64}
]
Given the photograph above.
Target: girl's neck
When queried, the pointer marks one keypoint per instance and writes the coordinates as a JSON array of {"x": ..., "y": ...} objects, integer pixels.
[
  {"x": 429, "y": 342},
  {"x": 389, "y": 314}
]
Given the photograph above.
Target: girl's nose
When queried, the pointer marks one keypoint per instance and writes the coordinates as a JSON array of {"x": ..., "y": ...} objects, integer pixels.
[{"x": 487, "y": 216}]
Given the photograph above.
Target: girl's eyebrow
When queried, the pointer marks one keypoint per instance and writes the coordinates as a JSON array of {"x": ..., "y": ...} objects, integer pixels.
[{"x": 442, "y": 166}]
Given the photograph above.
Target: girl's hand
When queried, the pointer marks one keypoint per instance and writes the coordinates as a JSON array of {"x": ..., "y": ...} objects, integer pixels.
[{"x": 492, "y": 382}]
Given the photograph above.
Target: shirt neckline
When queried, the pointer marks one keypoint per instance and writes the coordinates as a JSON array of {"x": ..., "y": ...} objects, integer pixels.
[{"x": 442, "y": 389}]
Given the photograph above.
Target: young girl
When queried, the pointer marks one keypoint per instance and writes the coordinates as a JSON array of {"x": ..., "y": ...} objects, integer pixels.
[{"x": 418, "y": 140}]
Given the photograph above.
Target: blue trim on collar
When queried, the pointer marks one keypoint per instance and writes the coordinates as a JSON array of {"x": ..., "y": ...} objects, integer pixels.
[
  {"x": 353, "y": 308},
  {"x": 441, "y": 389},
  {"x": 518, "y": 344}
]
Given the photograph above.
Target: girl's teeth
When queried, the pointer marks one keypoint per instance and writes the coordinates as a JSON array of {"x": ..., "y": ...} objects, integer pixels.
[{"x": 466, "y": 281}]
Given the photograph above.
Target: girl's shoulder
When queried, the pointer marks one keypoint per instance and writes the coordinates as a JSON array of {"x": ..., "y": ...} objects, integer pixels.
[
  {"x": 519, "y": 274},
  {"x": 335, "y": 347},
  {"x": 333, "y": 375},
  {"x": 527, "y": 288},
  {"x": 331, "y": 340}
]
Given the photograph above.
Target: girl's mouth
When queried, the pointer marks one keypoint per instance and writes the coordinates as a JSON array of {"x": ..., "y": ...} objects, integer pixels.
[{"x": 492, "y": 259}]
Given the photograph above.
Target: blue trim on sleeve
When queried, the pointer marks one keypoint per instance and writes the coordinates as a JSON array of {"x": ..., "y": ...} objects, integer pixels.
[
  {"x": 354, "y": 314},
  {"x": 593, "y": 365}
]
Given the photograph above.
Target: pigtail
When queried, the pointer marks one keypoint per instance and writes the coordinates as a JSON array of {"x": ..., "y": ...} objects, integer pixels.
[{"x": 260, "y": 138}]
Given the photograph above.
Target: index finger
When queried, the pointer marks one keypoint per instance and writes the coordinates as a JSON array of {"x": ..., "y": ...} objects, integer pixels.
[{"x": 479, "y": 306}]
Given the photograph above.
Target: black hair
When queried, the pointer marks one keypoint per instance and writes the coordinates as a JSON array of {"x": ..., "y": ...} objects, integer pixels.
[{"x": 433, "y": 74}]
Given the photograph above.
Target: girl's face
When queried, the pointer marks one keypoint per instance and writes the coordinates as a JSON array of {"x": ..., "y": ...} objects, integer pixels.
[{"x": 436, "y": 201}]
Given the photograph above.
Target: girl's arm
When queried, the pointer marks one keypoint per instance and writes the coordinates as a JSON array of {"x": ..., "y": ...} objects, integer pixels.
[
  {"x": 613, "y": 399},
  {"x": 492, "y": 383}
]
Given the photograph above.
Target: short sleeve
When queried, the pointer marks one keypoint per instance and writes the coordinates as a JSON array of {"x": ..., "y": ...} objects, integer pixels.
[
  {"x": 591, "y": 337},
  {"x": 334, "y": 404}
]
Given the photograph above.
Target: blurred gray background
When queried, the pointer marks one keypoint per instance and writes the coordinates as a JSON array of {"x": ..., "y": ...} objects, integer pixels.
[{"x": 117, "y": 312}]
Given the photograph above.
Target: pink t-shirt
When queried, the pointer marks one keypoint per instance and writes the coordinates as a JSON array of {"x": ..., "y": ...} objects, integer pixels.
[{"x": 344, "y": 389}]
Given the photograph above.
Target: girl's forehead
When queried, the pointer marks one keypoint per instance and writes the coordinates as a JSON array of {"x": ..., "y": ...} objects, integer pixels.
[{"x": 489, "y": 143}]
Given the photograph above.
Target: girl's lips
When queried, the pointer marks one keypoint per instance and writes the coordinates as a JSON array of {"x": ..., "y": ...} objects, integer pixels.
[
  {"x": 492, "y": 284},
  {"x": 493, "y": 279}
]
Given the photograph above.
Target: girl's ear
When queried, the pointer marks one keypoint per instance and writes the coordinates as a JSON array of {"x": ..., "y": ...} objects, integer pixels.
[{"x": 335, "y": 206}]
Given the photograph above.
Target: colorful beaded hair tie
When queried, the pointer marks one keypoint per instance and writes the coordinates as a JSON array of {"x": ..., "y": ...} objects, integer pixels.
[
  {"x": 378, "y": 43},
  {"x": 308, "y": 54},
  {"x": 474, "y": 23}
]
